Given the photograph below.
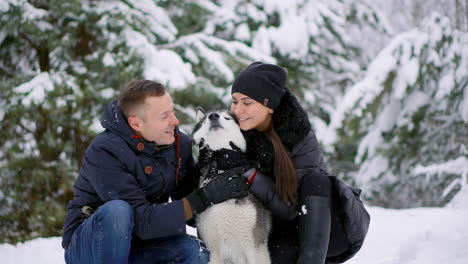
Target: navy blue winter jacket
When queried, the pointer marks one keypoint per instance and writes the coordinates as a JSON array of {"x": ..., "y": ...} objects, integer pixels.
[{"x": 120, "y": 166}]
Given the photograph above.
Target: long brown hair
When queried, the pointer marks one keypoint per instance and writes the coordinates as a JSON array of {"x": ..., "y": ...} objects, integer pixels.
[{"x": 284, "y": 171}]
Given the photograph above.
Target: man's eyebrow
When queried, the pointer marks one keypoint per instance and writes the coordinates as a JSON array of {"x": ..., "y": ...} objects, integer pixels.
[
  {"x": 168, "y": 111},
  {"x": 244, "y": 98}
]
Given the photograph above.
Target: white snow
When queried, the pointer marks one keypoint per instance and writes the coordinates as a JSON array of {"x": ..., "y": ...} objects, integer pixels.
[
  {"x": 96, "y": 126},
  {"x": 4, "y": 6},
  {"x": 416, "y": 236},
  {"x": 383, "y": 123},
  {"x": 296, "y": 47},
  {"x": 457, "y": 166},
  {"x": 464, "y": 106},
  {"x": 35, "y": 89},
  {"x": 417, "y": 99},
  {"x": 215, "y": 59},
  {"x": 261, "y": 41},
  {"x": 108, "y": 60},
  {"x": 410, "y": 236},
  {"x": 398, "y": 104},
  {"x": 243, "y": 32},
  {"x": 32, "y": 13},
  {"x": 108, "y": 93},
  {"x": 154, "y": 16},
  {"x": 407, "y": 75},
  {"x": 162, "y": 65}
]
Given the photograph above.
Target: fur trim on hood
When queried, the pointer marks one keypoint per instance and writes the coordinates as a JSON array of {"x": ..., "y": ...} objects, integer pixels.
[{"x": 290, "y": 122}]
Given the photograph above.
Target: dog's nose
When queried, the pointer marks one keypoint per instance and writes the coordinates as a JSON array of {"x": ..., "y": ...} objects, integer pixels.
[{"x": 213, "y": 116}]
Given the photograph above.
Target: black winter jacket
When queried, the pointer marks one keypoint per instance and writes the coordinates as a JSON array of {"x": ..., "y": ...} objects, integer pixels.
[
  {"x": 120, "y": 166},
  {"x": 350, "y": 220},
  {"x": 294, "y": 129}
]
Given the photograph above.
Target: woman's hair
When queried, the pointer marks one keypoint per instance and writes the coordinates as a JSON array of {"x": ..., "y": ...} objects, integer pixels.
[{"x": 284, "y": 171}]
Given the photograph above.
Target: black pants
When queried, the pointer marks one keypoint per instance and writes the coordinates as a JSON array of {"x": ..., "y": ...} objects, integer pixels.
[{"x": 283, "y": 241}]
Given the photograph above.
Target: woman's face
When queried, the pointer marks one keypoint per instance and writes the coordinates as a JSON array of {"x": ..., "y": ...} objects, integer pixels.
[{"x": 250, "y": 113}]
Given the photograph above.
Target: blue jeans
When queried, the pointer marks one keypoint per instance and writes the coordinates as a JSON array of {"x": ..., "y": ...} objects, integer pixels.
[{"x": 105, "y": 237}]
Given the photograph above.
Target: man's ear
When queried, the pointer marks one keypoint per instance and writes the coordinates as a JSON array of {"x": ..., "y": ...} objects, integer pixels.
[
  {"x": 200, "y": 114},
  {"x": 134, "y": 123}
]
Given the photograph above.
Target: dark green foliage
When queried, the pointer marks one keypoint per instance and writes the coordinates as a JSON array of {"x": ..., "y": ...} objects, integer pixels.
[
  {"x": 43, "y": 138},
  {"x": 414, "y": 132},
  {"x": 186, "y": 22},
  {"x": 196, "y": 96}
]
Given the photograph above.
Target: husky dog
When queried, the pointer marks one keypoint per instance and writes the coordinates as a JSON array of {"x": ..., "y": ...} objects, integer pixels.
[{"x": 235, "y": 231}]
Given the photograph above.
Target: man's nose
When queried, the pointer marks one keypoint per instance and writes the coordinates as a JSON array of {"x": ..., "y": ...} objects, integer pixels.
[
  {"x": 175, "y": 121},
  {"x": 213, "y": 116}
]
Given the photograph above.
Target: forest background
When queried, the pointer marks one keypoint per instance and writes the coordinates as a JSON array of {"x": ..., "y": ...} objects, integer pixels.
[{"x": 383, "y": 82}]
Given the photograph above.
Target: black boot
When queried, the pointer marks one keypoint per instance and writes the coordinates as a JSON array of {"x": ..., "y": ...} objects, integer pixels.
[{"x": 314, "y": 230}]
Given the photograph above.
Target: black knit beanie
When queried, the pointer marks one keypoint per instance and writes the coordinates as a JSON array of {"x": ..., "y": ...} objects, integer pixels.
[{"x": 265, "y": 83}]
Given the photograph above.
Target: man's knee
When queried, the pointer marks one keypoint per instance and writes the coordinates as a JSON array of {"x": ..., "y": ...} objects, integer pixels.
[
  {"x": 105, "y": 235},
  {"x": 195, "y": 249},
  {"x": 117, "y": 212}
]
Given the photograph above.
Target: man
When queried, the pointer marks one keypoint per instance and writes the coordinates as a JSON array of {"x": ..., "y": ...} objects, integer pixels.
[{"x": 120, "y": 211}]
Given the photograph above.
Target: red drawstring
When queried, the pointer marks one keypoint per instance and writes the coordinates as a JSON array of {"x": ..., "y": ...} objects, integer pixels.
[
  {"x": 252, "y": 176},
  {"x": 179, "y": 160}
]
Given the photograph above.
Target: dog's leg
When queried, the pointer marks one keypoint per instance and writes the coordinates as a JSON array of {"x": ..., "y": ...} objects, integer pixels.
[
  {"x": 215, "y": 258},
  {"x": 251, "y": 254},
  {"x": 263, "y": 255}
]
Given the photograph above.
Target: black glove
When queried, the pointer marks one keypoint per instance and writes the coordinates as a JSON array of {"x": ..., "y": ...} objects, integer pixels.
[{"x": 227, "y": 185}]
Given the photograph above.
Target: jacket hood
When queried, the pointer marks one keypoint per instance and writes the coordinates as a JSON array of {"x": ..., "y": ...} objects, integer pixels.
[{"x": 113, "y": 119}]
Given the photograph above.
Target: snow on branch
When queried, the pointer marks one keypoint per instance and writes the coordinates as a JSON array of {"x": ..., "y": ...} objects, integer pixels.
[
  {"x": 456, "y": 166},
  {"x": 36, "y": 89}
]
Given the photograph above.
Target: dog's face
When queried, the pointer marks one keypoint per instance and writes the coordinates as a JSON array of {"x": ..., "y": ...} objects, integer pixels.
[{"x": 218, "y": 130}]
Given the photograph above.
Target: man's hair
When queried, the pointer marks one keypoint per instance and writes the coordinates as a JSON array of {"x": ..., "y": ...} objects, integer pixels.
[{"x": 133, "y": 95}]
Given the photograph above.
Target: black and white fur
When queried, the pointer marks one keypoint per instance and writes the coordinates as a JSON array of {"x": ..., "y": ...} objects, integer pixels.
[{"x": 235, "y": 231}]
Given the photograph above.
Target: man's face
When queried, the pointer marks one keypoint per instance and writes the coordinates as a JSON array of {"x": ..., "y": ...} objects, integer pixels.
[{"x": 156, "y": 122}]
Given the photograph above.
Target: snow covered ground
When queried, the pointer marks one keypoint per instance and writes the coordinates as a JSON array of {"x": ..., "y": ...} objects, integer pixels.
[{"x": 410, "y": 236}]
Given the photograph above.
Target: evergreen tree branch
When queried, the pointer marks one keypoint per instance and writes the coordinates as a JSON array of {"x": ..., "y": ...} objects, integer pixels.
[{"x": 8, "y": 72}]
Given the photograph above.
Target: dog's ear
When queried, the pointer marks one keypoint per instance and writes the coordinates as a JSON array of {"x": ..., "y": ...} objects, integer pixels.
[{"x": 200, "y": 114}]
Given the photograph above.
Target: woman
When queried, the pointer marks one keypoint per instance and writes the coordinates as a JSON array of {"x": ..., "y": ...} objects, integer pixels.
[{"x": 291, "y": 179}]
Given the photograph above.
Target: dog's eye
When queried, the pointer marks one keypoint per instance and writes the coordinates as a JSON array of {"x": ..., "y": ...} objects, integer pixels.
[{"x": 227, "y": 118}]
